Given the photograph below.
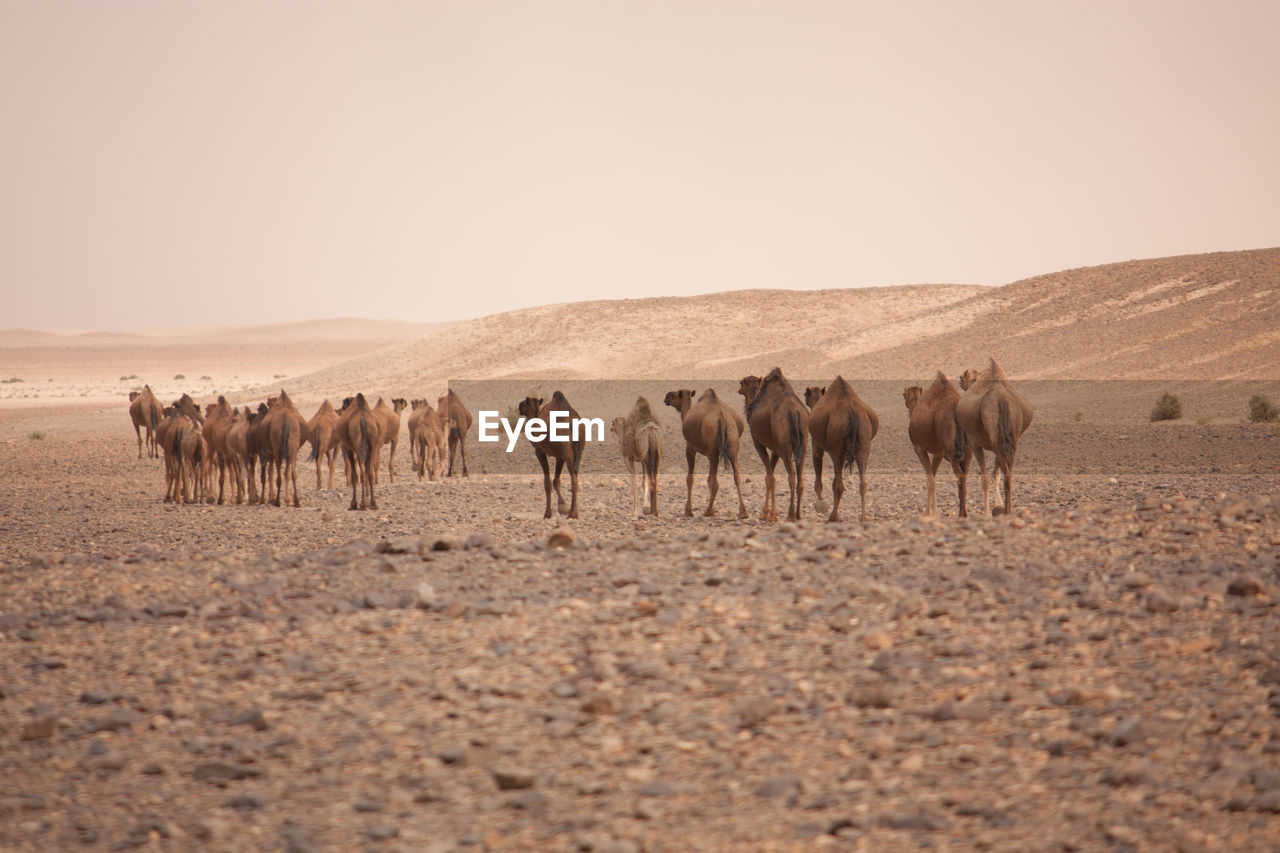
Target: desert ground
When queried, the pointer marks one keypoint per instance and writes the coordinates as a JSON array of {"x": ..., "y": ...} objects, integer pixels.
[{"x": 1097, "y": 670}]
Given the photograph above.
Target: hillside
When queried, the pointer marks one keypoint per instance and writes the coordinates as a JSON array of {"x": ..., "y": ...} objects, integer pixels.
[{"x": 1213, "y": 316}]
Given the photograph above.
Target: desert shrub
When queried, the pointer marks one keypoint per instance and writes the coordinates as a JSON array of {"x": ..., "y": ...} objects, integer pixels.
[
  {"x": 511, "y": 416},
  {"x": 1261, "y": 411},
  {"x": 1167, "y": 408},
  {"x": 278, "y": 376},
  {"x": 1204, "y": 421},
  {"x": 11, "y": 380},
  {"x": 206, "y": 378},
  {"x": 179, "y": 376},
  {"x": 36, "y": 435},
  {"x": 130, "y": 376},
  {"x": 1078, "y": 416}
]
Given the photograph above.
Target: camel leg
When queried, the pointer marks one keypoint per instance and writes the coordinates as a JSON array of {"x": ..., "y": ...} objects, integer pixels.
[
  {"x": 391, "y": 461},
  {"x": 793, "y": 488},
  {"x": 555, "y": 483},
  {"x": 934, "y": 465},
  {"x": 962, "y": 477},
  {"x": 713, "y": 482},
  {"x": 768, "y": 479},
  {"x": 986, "y": 481},
  {"x": 923, "y": 456},
  {"x": 573, "y": 487},
  {"x": 817, "y": 471},
  {"x": 837, "y": 483},
  {"x": 546, "y": 481},
  {"x": 1006, "y": 468},
  {"x": 222, "y": 479},
  {"x": 138, "y": 432},
  {"x": 652, "y": 479},
  {"x": 293, "y": 479},
  {"x": 770, "y": 488},
  {"x": 862, "y": 487},
  {"x": 319, "y": 460},
  {"x": 462, "y": 451},
  {"x": 691, "y": 456}
]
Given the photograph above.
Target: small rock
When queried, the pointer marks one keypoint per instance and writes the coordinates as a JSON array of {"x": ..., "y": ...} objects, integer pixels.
[
  {"x": 780, "y": 785},
  {"x": 252, "y": 718},
  {"x": 1245, "y": 585},
  {"x": 1159, "y": 601},
  {"x": 753, "y": 711},
  {"x": 39, "y": 729},
  {"x": 510, "y": 778},
  {"x": 562, "y": 537},
  {"x": 425, "y": 596}
]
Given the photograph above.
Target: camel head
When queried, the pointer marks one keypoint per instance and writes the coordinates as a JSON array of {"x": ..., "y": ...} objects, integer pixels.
[
  {"x": 911, "y": 395},
  {"x": 133, "y": 395},
  {"x": 813, "y": 394},
  {"x": 529, "y": 406},
  {"x": 398, "y": 403},
  {"x": 414, "y": 405},
  {"x": 749, "y": 387},
  {"x": 619, "y": 427},
  {"x": 967, "y": 378},
  {"x": 347, "y": 402},
  {"x": 679, "y": 400}
]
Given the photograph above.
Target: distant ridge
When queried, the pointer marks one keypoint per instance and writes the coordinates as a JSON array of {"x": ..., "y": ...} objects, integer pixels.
[{"x": 1208, "y": 316}]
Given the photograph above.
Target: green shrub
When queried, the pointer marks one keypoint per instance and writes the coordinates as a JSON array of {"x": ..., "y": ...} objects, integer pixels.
[
  {"x": 1167, "y": 408},
  {"x": 1261, "y": 411}
]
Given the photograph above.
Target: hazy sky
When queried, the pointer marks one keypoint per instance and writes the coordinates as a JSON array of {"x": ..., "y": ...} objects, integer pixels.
[{"x": 174, "y": 163}]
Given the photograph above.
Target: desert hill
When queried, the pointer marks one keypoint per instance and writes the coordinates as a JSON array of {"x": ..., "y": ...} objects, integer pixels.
[{"x": 1212, "y": 316}]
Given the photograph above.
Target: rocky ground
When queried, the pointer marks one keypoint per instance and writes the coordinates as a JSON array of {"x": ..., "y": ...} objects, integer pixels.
[{"x": 1101, "y": 670}]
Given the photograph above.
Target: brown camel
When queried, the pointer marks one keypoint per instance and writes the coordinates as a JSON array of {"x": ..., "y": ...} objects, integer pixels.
[
  {"x": 429, "y": 434},
  {"x": 842, "y": 425},
  {"x": 284, "y": 427},
  {"x": 640, "y": 436},
  {"x": 390, "y": 418},
  {"x": 180, "y": 438},
  {"x": 936, "y": 434},
  {"x": 324, "y": 443},
  {"x": 417, "y": 409},
  {"x": 258, "y": 453},
  {"x": 567, "y": 452},
  {"x": 712, "y": 428},
  {"x": 458, "y": 419},
  {"x": 225, "y": 448},
  {"x": 779, "y": 424},
  {"x": 145, "y": 411},
  {"x": 360, "y": 432},
  {"x": 994, "y": 416}
]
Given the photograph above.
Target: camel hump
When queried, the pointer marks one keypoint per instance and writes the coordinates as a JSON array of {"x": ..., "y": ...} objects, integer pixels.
[
  {"x": 710, "y": 394},
  {"x": 994, "y": 372}
]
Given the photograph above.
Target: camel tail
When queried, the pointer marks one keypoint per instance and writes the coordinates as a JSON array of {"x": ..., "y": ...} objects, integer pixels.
[
  {"x": 284, "y": 439},
  {"x": 797, "y": 439},
  {"x": 1005, "y": 440},
  {"x": 722, "y": 445},
  {"x": 961, "y": 449},
  {"x": 199, "y": 454},
  {"x": 651, "y": 456},
  {"x": 315, "y": 448},
  {"x": 155, "y": 414},
  {"x": 366, "y": 450},
  {"x": 852, "y": 443},
  {"x": 177, "y": 444}
]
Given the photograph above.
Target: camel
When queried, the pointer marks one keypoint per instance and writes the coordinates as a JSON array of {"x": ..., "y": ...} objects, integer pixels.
[
  {"x": 390, "y": 418},
  {"x": 842, "y": 425},
  {"x": 567, "y": 453},
  {"x": 182, "y": 443},
  {"x": 458, "y": 420},
  {"x": 184, "y": 405},
  {"x": 226, "y": 447},
  {"x": 429, "y": 437},
  {"x": 712, "y": 428},
  {"x": 258, "y": 453},
  {"x": 360, "y": 432},
  {"x": 994, "y": 416},
  {"x": 640, "y": 437},
  {"x": 145, "y": 411},
  {"x": 417, "y": 409},
  {"x": 284, "y": 428},
  {"x": 324, "y": 444},
  {"x": 936, "y": 434},
  {"x": 779, "y": 424}
]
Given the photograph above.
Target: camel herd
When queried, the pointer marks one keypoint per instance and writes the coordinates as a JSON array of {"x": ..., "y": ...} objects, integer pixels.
[{"x": 985, "y": 415}]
